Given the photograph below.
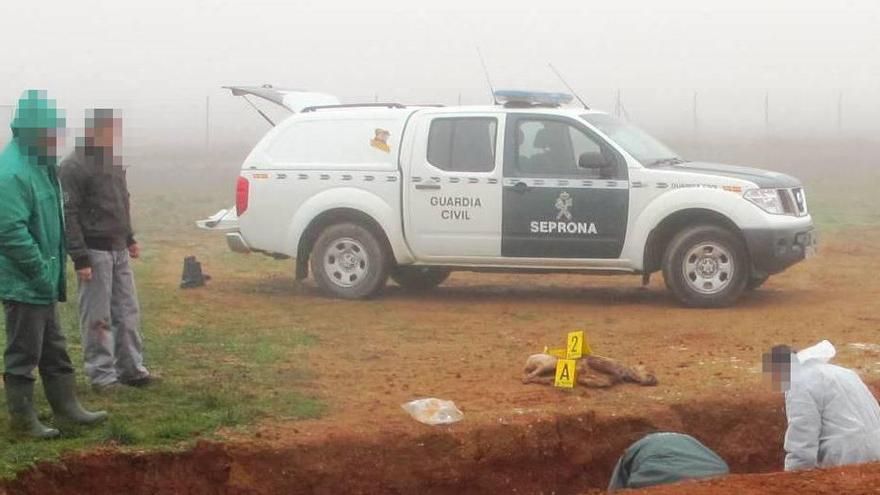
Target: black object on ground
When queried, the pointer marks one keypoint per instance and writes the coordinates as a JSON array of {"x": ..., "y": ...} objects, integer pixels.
[{"x": 192, "y": 274}]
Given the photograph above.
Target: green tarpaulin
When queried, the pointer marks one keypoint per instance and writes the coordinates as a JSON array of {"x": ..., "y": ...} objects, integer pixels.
[{"x": 661, "y": 458}]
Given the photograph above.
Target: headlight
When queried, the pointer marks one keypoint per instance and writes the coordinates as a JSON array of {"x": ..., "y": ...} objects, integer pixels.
[{"x": 766, "y": 199}]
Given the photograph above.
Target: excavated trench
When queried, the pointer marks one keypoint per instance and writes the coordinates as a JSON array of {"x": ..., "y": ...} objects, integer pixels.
[{"x": 548, "y": 454}]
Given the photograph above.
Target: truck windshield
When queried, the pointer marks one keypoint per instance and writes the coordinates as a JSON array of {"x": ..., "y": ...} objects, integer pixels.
[{"x": 638, "y": 143}]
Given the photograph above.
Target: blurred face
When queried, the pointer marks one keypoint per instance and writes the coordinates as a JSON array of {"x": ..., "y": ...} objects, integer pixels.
[
  {"x": 777, "y": 370},
  {"x": 106, "y": 133},
  {"x": 50, "y": 141}
]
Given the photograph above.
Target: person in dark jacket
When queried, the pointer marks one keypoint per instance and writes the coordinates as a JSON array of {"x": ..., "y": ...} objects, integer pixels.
[
  {"x": 101, "y": 244},
  {"x": 32, "y": 279}
]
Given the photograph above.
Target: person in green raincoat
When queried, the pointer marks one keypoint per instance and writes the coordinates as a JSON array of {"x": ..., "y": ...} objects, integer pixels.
[{"x": 32, "y": 274}]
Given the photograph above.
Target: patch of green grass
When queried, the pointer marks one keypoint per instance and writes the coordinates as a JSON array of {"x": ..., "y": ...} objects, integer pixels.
[
  {"x": 837, "y": 205},
  {"x": 22, "y": 455},
  {"x": 224, "y": 365},
  {"x": 118, "y": 433}
]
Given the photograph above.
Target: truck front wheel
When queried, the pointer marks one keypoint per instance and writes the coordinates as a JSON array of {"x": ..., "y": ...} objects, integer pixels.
[
  {"x": 706, "y": 266},
  {"x": 419, "y": 277},
  {"x": 349, "y": 261}
]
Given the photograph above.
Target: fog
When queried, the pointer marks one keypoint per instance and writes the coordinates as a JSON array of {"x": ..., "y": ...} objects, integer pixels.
[{"x": 792, "y": 67}]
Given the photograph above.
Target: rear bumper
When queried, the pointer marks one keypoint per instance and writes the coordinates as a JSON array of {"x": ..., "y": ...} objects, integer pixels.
[
  {"x": 774, "y": 250},
  {"x": 236, "y": 243}
]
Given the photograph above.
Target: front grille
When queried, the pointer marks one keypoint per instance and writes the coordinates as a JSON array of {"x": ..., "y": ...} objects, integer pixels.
[
  {"x": 800, "y": 200},
  {"x": 793, "y": 201}
]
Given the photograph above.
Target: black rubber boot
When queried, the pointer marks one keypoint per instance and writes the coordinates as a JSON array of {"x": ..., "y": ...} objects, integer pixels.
[
  {"x": 192, "y": 274},
  {"x": 20, "y": 401},
  {"x": 61, "y": 393}
]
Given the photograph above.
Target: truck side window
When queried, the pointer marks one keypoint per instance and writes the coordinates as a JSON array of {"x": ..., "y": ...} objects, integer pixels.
[
  {"x": 551, "y": 147},
  {"x": 464, "y": 144}
]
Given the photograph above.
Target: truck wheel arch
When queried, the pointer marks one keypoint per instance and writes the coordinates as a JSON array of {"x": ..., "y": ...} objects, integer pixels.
[
  {"x": 331, "y": 217},
  {"x": 345, "y": 204},
  {"x": 661, "y": 235}
]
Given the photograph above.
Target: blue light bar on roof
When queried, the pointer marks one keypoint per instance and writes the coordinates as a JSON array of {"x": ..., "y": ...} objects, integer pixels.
[{"x": 531, "y": 97}]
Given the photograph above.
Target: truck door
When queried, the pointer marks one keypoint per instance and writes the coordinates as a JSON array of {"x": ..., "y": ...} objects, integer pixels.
[
  {"x": 452, "y": 189},
  {"x": 566, "y": 193}
]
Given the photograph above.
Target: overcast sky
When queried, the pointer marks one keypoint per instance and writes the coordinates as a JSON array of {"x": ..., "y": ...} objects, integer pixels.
[{"x": 159, "y": 59}]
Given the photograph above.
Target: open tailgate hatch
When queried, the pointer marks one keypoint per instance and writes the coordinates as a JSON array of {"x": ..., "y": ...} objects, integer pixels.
[{"x": 294, "y": 100}]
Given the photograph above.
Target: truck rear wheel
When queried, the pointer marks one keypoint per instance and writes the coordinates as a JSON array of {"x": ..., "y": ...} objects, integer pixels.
[
  {"x": 419, "y": 277},
  {"x": 706, "y": 266},
  {"x": 349, "y": 261}
]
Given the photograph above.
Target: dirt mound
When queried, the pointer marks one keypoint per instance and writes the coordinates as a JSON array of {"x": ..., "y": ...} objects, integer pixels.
[
  {"x": 852, "y": 480},
  {"x": 529, "y": 454}
]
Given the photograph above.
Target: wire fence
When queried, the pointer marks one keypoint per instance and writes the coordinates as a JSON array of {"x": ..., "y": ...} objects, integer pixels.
[
  {"x": 219, "y": 121},
  {"x": 790, "y": 112}
]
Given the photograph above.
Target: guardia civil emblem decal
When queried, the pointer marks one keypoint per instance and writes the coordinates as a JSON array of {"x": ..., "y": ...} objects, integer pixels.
[{"x": 563, "y": 204}]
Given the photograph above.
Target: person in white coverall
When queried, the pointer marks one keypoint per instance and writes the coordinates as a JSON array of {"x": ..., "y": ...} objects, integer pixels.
[{"x": 833, "y": 418}]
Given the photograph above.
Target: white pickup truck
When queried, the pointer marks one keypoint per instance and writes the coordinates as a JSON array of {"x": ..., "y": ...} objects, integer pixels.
[{"x": 359, "y": 193}]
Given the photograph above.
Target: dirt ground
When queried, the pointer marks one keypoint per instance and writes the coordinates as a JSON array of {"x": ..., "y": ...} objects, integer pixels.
[
  {"x": 849, "y": 480},
  {"x": 467, "y": 342}
]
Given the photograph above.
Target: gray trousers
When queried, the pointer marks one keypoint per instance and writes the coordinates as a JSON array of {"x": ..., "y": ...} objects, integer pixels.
[
  {"x": 109, "y": 319},
  {"x": 34, "y": 340}
]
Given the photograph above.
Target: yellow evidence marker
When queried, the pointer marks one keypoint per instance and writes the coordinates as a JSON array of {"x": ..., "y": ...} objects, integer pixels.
[
  {"x": 586, "y": 350},
  {"x": 565, "y": 369},
  {"x": 577, "y": 346},
  {"x": 560, "y": 352}
]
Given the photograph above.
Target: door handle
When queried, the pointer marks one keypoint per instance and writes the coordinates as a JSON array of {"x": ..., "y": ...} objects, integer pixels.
[
  {"x": 428, "y": 186},
  {"x": 520, "y": 187}
]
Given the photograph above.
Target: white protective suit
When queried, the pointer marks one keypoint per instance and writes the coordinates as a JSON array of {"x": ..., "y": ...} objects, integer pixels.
[{"x": 833, "y": 419}]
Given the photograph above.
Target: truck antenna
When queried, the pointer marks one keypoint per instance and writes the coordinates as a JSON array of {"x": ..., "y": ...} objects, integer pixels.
[
  {"x": 486, "y": 71},
  {"x": 567, "y": 86}
]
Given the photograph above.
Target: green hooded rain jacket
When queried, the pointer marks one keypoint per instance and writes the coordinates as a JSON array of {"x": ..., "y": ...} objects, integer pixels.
[{"x": 32, "y": 250}]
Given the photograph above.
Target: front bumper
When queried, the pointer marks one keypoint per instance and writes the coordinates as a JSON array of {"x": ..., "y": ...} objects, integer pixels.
[{"x": 775, "y": 249}]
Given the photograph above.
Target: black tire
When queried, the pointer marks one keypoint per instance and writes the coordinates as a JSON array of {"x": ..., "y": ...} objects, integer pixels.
[
  {"x": 756, "y": 282},
  {"x": 419, "y": 278},
  {"x": 350, "y": 261},
  {"x": 706, "y": 266}
]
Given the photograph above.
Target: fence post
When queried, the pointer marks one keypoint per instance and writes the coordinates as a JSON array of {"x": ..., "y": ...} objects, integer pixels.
[{"x": 619, "y": 109}]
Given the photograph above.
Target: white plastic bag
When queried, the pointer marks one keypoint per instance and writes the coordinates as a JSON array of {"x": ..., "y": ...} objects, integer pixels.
[{"x": 433, "y": 411}]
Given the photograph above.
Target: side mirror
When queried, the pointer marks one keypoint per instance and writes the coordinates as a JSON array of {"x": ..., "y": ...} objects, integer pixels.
[
  {"x": 593, "y": 160},
  {"x": 597, "y": 162}
]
